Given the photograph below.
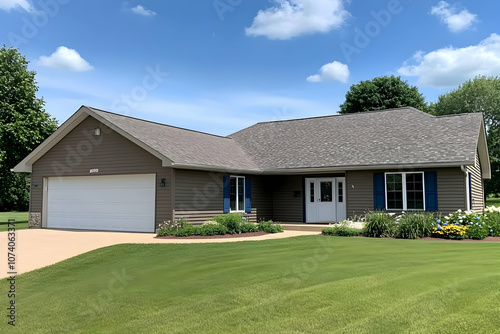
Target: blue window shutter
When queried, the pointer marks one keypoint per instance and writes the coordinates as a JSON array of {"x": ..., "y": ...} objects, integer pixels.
[
  {"x": 248, "y": 192},
  {"x": 226, "y": 194},
  {"x": 431, "y": 196},
  {"x": 379, "y": 191}
]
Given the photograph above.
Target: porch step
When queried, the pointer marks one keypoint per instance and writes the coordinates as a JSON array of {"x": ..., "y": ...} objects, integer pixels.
[{"x": 304, "y": 227}]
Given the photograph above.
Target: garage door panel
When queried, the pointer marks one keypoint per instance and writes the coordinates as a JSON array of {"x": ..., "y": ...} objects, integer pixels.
[{"x": 115, "y": 203}]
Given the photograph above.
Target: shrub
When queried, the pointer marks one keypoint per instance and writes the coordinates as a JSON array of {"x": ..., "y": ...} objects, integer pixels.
[
  {"x": 342, "y": 230},
  {"x": 454, "y": 231},
  {"x": 379, "y": 224},
  {"x": 212, "y": 229},
  {"x": 232, "y": 221},
  {"x": 170, "y": 227},
  {"x": 270, "y": 227},
  {"x": 249, "y": 228},
  {"x": 477, "y": 231},
  {"x": 491, "y": 219},
  {"x": 413, "y": 225},
  {"x": 187, "y": 231}
]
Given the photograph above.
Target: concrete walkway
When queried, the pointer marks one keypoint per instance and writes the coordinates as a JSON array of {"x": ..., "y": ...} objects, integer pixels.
[{"x": 38, "y": 248}]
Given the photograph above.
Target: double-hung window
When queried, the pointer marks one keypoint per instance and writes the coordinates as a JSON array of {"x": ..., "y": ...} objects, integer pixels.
[
  {"x": 405, "y": 191},
  {"x": 237, "y": 193}
]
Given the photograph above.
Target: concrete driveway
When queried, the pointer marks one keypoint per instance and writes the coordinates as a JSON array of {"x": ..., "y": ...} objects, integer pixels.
[{"x": 38, "y": 248}]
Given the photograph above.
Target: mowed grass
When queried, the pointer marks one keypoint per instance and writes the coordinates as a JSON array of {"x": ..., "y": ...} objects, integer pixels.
[
  {"x": 313, "y": 284},
  {"x": 20, "y": 217},
  {"x": 492, "y": 201}
]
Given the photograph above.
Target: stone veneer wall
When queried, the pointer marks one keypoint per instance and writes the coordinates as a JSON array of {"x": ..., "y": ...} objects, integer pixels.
[{"x": 35, "y": 220}]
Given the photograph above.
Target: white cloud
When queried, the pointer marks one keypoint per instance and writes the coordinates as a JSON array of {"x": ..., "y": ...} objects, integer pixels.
[
  {"x": 142, "y": 11},
  {"x": 67, "y": 59},
  {"x": 335, "y": 71},
  {"x": 7, "y": 5},
  {"x": 292, "y": 18},
  {"x": 452, "y": 66},
  {"x": 449, "y": 15}
]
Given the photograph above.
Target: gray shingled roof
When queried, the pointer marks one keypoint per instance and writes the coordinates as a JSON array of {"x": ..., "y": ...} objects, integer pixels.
[
  {"x": 404, "y": 136},
  {"x": 183, "y": 147}
]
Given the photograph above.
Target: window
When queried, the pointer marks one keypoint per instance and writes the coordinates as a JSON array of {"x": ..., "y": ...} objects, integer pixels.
[
  {"x": 237, "y": 193},
  {"x": 340, "y": 192},
  {"x": 311, "y": 192},
  {"x": 405, "y": 191}
]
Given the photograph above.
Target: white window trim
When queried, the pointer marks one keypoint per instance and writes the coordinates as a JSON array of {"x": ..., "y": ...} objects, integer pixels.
[
  {"x": 405, "y": 204},
  {"x": 468, "y": 191},
  {"x": 237, "y": 193}
]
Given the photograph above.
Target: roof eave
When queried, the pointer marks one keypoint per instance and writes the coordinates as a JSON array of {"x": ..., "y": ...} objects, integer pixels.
[{"x": 305, "y": 170}]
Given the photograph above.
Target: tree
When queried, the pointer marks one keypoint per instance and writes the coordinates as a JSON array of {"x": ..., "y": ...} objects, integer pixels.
[
  {"x": 24, "y": 124},
  {"x": 481, "y": 94},
  {"x": 382, "y": 93}
]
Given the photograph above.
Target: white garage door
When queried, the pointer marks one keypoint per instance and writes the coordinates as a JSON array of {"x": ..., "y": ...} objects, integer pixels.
[{"x": 112, "y": 203}]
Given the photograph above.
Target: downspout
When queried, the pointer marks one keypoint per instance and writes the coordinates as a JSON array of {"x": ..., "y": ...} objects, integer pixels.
[{"x": 467, "y": 190}]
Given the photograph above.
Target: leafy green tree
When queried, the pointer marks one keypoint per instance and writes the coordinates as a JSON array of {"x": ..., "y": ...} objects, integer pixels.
[
  {"x": 24, "y": 124},
  {"x": 382, "y": 93},
  {"x": 481, "y": 94}
]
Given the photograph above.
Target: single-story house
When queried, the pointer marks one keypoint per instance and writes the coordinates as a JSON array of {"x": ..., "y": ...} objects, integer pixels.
[{"x": 104, "y": 171}]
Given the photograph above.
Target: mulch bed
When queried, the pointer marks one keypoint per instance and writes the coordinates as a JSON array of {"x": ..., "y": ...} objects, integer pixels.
[{"x": 242, "y": 235}]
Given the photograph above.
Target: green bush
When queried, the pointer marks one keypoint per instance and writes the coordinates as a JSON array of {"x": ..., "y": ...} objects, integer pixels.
[
  {"x": 477, "y": 231},
  {"x": 212, "y": 229},
  {"x": 379, "y": 224},
  {"x": 270, "y": 227},
  {"x": 187, "y": 231},
  {"x": 491, "y": 219},
  {"x": 232, "y": 221},
  {"x": 249, "y": 228},
  {"x": 342, "y": 230},
  {"x": 413, "y": 225},
  {"x": 170, "y": 227}
]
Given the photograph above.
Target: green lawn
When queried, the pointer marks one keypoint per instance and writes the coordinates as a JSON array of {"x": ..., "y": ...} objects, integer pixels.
[
  {"x": 20, "y": 217},
  {"x": 492, "y": 201},
  {"x": 311, "y": 284}
]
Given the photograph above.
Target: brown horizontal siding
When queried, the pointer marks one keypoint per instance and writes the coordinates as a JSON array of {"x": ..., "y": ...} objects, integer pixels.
[
  {"x": 451, "y": 190},
  {"x": 111, "y": 153},
  {"x": 359, "y": 192},
  {"x": 262, "y": 198},
  {"x": 450, "y": 184},
  {"x": 199, "y": 196},
  {"x": 286, "y": 207},
  {"x": 477, "y": 188}
]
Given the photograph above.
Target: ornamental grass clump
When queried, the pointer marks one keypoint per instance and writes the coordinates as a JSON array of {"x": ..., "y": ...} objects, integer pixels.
[
  {"x": 379, "y": 224},
  {"x": 413, "y": 225}
]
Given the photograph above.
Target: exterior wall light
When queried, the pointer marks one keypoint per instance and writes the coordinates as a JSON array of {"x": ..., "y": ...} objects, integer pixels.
[{"x": 97, "y": 132}]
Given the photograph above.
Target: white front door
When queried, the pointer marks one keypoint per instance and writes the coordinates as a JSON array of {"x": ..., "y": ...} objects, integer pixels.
[{"x": 325, "y": 199}]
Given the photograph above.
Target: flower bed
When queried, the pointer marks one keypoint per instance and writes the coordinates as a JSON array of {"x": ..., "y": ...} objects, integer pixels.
[{"x": 231, "y": 223}]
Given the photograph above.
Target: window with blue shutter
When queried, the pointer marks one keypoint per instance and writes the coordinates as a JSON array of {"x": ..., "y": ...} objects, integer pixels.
[
  {"x": 227, "y": 191},
  {"x": 431, "y": 196},
  {"x": 248, "y": 203},
  {"x": 379, "y": 191}
]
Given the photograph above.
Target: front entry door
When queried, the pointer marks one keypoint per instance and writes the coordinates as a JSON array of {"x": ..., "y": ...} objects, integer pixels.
[{"x": 325, "y": 199}]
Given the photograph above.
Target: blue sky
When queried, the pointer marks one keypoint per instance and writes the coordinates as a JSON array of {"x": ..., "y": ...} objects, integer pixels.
[{"x": 220, "y": 65}]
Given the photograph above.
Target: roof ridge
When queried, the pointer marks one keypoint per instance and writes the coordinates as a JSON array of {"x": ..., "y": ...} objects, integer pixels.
[
  {"x": 156, "y": 123},
  {"x": 343, "y": 115}
]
